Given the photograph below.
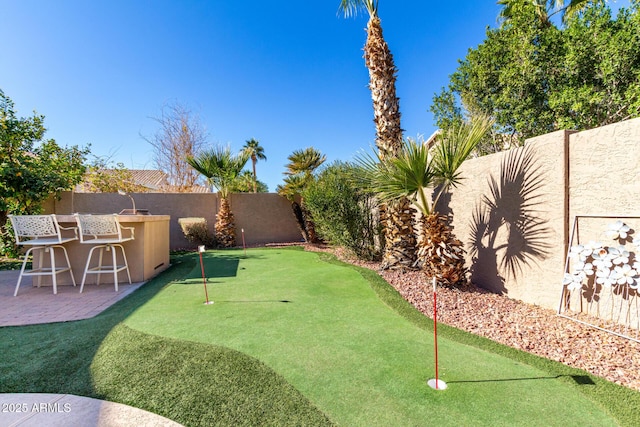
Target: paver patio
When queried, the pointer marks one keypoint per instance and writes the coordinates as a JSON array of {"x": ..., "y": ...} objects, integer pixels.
[{"x": 35, "y": 305}]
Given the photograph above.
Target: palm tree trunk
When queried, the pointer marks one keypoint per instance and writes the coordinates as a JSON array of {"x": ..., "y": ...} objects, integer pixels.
[
  {"x": 382, "y": 83},
  {"x": 297, "y": 212},
  {"x": 309, "y": 225},
  {"x": 225, "y": 225},
  {"x": 254, "y": 160},
  {"x": 400, "y": 249},
  {"x": 440, "y": 254},
  {"x": 399, "y": 233}
]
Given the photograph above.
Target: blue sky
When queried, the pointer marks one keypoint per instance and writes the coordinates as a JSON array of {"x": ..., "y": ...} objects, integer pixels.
[{"x": 289, "y": 74}]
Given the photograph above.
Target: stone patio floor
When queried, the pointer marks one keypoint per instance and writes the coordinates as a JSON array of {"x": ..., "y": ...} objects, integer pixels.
[{"x": 35, "y": 305}]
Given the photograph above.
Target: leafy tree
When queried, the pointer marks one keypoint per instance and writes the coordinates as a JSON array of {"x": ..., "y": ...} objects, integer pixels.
[
  {"x": 412, "y": 174},
  {"x": 102, "y": 177},
  {"x": 543, "y": 9},
  {"x": 299, "y": 174},
  {"x": 535, "y": 78},
  {"x": 600, "y": 84},
  {"x": 31, "y": 169},
  {"x": 256, "y": 152},
  {"x": 344, "y": 213},
  {"x": 398, "y": 217},
  {"x": 221, "y": 168}
]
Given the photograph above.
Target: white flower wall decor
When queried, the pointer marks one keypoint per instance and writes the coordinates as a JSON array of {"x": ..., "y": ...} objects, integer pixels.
[{"x": 602, "y": 279}]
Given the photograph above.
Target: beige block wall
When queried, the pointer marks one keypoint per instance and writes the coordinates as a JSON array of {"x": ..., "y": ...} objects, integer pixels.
[
  {"x": 265, "y": 217},
  {"x": 605, "y": 177},
  {"x": 515, "y": 238}
]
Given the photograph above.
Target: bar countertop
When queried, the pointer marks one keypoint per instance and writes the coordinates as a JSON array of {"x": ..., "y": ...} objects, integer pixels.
[{"x": 122, "y": 218}]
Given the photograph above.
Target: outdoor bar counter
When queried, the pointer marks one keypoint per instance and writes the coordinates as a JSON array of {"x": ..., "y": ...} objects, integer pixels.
[{"x": 147, "y": 254}]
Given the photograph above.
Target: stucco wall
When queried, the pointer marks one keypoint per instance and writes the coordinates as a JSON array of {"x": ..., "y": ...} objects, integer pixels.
[
  {"x": 510, "y": 212},
  {"x": 515, "y": 210},
  {"x": 265, "y": 217},
  {"x": 605, "y": 176}
]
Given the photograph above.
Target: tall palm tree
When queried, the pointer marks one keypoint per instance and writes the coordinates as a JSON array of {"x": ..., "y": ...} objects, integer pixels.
[
  {"x": 302, "y": 164},
  {"x": 221, "y": 168},
  {"x": 397, "y": 217},
  {"x": 413, "y": 174},
  {"x": 256, "y": 152}
]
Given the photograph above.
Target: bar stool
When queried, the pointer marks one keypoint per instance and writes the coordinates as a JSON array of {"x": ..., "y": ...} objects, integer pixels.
[
  {"x": 42, "y": 233},
  {"x": 104, "y": 232}
]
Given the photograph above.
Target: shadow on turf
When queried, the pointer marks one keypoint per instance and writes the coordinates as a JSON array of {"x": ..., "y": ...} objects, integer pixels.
[
  {"x": 257, "y": 301},
  {"x": 579, "y": 379}
]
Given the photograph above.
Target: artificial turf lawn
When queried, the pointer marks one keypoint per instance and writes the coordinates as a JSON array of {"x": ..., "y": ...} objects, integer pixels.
[
  {"x": 296, "y": 338},
  {"x": 324, "y": 329}
]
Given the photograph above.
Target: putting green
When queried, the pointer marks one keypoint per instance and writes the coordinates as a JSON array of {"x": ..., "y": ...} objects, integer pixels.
[{"x": 322, "y": 327}]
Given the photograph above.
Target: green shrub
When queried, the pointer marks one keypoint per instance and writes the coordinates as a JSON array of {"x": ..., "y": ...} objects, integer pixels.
[
  {"x": 196, "y": 231},
  {"x": 344, "y": 215}
]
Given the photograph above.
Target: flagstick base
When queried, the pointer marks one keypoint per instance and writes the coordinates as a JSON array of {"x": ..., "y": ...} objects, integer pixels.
[
  {"x": 208, "y": 303},
  {"x": 437, "y": 384}
]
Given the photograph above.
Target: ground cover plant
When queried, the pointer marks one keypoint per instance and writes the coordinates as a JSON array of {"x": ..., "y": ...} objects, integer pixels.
[{"x": 296, "y": 338}]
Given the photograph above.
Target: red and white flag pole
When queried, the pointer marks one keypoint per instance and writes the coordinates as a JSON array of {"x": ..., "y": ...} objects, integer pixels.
[
  {"x": 436, "y": 383},
  {"x": 204, "y": 280},
  {"x": 244, "y": 246}
]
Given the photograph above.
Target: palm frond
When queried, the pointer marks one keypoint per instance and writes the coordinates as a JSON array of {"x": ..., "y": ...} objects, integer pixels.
[
  {"x": 305, "y": 161},
  {"x": 409, "y": 174},
  {"x": 454, "y": 148},
  {"x": 351, "y": 7},
  {"x": 219, "y": 166}
]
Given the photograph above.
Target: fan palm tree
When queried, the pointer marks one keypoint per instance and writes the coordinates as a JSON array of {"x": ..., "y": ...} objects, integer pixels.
[
  {"x": 413, "y": 174},
  {"x": 256, "y": 152},
  {"x": 396, "y": 217},
  {"x": 221, "y": 168},
  {"x": 302, "y": 164},
  {"x": 305, "y": 162}
]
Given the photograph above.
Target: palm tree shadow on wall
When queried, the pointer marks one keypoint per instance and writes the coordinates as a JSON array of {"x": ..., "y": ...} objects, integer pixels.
[{"x": 506, "y": 231}]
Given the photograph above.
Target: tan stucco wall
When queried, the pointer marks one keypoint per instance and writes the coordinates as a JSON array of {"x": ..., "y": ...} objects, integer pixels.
[
  {"x": 605, "y": 176},
  {"x": 265, "y": 217},
  {"x": 594, "y": 172},
  {"x": 489, "y": 208}
]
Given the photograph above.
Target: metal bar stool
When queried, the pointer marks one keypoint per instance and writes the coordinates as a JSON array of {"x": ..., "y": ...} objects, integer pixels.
[
  {"x": 104, "y": 232},
  {"x": 42, "y": 233}
]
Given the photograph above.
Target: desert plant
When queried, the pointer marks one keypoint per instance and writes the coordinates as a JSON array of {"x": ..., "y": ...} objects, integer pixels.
[
  {"x": 221, "y": 168},
  {"x": 414, "y": 174},
  {"x": 300, "y": 174},
  {"x": 345, "y": 214},
  {"x": 196, "y": 231}
]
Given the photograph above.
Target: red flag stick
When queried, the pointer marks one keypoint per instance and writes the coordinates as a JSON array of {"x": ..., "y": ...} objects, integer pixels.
[
  {"x": 436, "y": 383},
  {"x": 204, "y": 280},
  {"x": 244, "y": 246}
]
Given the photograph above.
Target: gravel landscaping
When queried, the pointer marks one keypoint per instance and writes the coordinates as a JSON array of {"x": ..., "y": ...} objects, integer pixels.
[{"x": 523, "y": 326}]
